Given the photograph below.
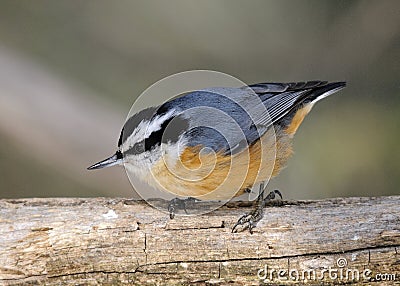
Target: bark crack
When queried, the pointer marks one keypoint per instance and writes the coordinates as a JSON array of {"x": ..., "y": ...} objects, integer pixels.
[
  {"x": 197, "y": 228},
  {"x": 145, "y": 247},
  {"x": 274, "y": 257}
]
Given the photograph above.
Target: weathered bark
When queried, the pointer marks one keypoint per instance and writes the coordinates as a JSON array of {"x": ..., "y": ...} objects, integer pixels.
[{"x": 115, "y": 241}]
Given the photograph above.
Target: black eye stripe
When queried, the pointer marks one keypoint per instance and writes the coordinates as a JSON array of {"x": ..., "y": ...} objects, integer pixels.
[
  {"x": 169, "y": 132},
  {"x": 136, "y": 149}
]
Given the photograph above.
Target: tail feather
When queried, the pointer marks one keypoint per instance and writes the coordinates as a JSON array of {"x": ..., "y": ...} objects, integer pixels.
[
  {"x": 324, "y": 91},
  {"x": 282, "y": 100}
]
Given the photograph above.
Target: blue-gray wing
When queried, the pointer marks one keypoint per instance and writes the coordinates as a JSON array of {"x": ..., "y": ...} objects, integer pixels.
[
  {"x": 218, "y": 118},
  {"x": 228, "y": 119}
]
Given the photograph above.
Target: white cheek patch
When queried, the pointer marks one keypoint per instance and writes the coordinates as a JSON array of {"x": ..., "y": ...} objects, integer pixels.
[{"x": 141, "y": 165}]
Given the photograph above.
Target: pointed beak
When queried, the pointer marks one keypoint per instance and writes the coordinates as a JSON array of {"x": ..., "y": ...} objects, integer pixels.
[{"x": 113, "y": 160}]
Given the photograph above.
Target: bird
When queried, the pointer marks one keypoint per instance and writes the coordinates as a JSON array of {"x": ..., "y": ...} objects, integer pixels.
[{"x": 217, "y": 143}]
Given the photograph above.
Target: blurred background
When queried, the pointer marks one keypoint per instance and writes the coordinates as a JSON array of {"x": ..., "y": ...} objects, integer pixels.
[{"x": 70, "y": 70}]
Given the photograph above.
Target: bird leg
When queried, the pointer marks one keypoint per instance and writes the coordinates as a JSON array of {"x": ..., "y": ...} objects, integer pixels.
[
  {"x": 250, "y": 220},
  {"x": 177, "y": 203}
]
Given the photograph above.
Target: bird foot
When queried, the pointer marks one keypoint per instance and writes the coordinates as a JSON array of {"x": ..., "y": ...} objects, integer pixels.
[
  {"x": 176, "y": 204},
  {"x": 249, "y": 221}
]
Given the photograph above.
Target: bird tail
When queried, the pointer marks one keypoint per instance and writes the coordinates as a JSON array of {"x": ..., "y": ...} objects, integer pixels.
[
  {"x": 324, "y": 91},
  {"x": 281, "y": 99}
]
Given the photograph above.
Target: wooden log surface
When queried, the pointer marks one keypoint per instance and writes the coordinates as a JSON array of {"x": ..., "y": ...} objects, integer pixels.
[{"x": 81, "y": 241}]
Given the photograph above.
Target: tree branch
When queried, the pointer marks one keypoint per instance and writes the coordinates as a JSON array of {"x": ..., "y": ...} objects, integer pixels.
[{"x": 116, "y": 241}]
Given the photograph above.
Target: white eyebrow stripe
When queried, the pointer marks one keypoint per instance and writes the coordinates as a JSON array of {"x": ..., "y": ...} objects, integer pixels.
[
  {"x": 156, "y": 123},
  {"x": 145, "y": 128}
]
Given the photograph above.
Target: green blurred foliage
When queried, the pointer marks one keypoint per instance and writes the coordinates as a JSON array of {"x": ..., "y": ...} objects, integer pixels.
[{"x": 346, "y": 147}]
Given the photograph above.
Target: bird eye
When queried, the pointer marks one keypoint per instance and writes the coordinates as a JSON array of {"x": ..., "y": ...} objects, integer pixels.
[{"x": 139, "y": 147}]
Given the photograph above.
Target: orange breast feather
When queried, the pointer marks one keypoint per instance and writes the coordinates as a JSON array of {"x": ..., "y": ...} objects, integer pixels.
[{"x": 214, "y": 176}]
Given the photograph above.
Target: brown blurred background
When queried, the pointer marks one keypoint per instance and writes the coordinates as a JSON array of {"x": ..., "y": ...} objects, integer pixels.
[{"x": 70, "y": 70}]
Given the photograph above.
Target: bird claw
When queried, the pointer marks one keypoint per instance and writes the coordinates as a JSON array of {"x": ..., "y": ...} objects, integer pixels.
[
  {"x": 272, "y": 196},
  {"x": 249, "y": 221},
  {"x": 177, "y": 203}
]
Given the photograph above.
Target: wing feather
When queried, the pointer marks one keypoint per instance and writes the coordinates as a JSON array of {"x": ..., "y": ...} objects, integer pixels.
[{"x": 207, "y": 111}]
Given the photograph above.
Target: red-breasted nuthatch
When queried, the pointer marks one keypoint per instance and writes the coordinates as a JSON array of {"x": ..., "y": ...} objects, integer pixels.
[{"x": 215, "y": 143}]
